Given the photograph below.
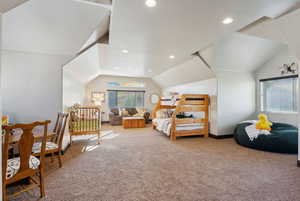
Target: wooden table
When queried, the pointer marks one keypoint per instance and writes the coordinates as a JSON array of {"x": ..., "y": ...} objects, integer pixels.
[{"x": 133, "y": 122}]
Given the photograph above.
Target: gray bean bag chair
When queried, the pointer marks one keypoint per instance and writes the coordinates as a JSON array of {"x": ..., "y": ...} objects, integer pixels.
[{"x": 283, "y": 138}]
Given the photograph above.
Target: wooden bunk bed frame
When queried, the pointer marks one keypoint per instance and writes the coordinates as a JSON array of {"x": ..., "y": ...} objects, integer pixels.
[{"x": 187, "y": 103}]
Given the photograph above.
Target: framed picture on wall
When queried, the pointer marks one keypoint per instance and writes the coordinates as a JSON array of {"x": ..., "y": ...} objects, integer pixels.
[{"x": 98, "y": 98}]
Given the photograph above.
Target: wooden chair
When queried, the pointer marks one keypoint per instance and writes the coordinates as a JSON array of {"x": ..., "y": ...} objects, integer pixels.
[
  {"x": 26, "y": 165},
  {"x": 55, "y": 140}
]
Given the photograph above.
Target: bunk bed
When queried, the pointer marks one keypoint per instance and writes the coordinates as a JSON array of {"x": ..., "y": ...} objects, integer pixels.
[{"x": 187, "y": 115}]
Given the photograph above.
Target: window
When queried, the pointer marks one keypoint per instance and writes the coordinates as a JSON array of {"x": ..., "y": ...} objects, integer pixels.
[
  {"x": 125, "y": 99},
  {"x": 279, "y": 94},
  {"x": 131, "y": 84}
]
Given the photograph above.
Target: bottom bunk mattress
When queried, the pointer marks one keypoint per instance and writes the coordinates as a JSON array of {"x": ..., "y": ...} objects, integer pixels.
[
  {"x": 283, "y": 138},
  {"x": 164, "y": 125}
]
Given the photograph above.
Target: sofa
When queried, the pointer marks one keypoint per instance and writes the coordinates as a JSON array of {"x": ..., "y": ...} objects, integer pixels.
[{"x": 116, "y": 115}]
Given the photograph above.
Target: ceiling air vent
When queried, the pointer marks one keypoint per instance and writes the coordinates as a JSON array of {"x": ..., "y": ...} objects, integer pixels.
[{"x": 197, "y": 54}]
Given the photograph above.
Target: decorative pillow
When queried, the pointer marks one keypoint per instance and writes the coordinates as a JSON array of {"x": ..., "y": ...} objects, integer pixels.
[
  {"x": 115, "y": 111},
  {"x": 141, "y": 110},
  {"x": 124, "y": 113},
  {"x": 131, "y": 111},
  {"x": 164, "y": 114},
  {"x": 159, "y": 114}
]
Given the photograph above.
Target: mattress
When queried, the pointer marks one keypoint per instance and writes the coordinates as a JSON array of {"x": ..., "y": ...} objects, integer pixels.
[
  {"x": 164, "y": 125},
  {"x": 186, "y": 127}
]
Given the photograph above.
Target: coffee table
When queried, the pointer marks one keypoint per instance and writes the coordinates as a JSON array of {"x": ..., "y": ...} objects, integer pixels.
[{"x": 133, "y": 122}]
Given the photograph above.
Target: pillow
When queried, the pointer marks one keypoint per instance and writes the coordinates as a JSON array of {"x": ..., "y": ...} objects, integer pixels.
[
  {"x": 124, "y": 113},
  {"x": 164, "y": 114},
  {"x": 141, "y": 110},
  {"x": 131, "y": 111},
  {"x": 115, "y": 111},
  {"x": 160, "y": 114}
]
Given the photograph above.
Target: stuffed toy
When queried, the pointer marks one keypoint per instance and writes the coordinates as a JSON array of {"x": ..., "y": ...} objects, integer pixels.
[
  {"x": 263, "y": 123},
  {"x": 5, "y": 120}
]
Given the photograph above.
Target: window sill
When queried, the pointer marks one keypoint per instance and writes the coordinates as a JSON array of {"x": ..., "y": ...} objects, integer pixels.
[{"x": 280, "y": 112}]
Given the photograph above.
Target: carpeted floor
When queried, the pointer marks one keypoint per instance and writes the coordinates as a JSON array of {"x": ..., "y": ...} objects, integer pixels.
[{"x": 141, "y": 164}]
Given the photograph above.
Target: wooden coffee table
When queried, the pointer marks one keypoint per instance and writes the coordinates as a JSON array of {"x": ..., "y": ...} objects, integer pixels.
[{"x": 133, "y": 122}]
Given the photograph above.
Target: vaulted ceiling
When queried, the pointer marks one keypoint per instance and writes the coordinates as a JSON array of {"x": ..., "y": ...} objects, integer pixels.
[
  {"x": 6, "y": 5},
  {"x": 241, "y": 53},
  {"x": 58, "y": 27},
  {"x": 179, "y": 28},
  {"x": 150, "y": 35}
]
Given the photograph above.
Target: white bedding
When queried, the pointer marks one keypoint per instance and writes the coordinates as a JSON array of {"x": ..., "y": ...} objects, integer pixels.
[{"x": 164, "y": 125}]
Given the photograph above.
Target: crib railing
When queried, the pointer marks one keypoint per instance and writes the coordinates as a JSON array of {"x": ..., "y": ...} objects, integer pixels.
[{"x": 85, "y": 120}]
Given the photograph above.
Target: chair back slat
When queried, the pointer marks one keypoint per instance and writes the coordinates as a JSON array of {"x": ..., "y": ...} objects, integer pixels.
[
  {"x": 56, "y": 124},
  {"x": 61, "y": 125},
  {"x": 25, "y": 147},
  {"x": 24, "y": 144}
]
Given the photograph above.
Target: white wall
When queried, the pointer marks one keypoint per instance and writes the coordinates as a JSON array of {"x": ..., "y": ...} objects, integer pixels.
[
  {"x": 31, "y": 85},
  {"x": 100, "y": 84},
  {"x": 1, "y": 100},
  {"x": 271, "y": 69},
  {"x": 73, "y": 90},
  {"x": 202, "y": 87},
  {"x": 236, "y": 99},
  {"x": 284, "y": 29}
]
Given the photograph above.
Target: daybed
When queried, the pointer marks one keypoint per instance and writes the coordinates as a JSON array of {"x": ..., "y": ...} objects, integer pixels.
[{"x": 283, "y": 138}]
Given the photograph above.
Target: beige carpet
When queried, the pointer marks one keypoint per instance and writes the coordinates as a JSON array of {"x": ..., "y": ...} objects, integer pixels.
[{"x": 141, "y": 164}]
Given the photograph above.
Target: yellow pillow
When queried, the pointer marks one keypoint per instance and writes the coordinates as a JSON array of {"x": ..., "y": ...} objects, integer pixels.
[
  {"x": 124, "y": 113},
  {"x": 140, "y": 110}
]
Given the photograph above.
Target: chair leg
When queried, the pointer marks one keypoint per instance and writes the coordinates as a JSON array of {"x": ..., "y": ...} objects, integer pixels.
[
  {"x": 52, "y": 157},
  {"x": 59, "y": 159},
  {"x": 4, "y": 195},
  {"x": 42, "y": 185},
  {"x": 99, "y": 139},
  {"x": 70, "y": 139}
]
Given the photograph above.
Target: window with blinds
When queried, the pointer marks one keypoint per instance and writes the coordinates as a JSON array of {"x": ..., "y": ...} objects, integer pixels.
[
  {"x": 126, "y": 99},
  {"x": 279, "y": 94}
]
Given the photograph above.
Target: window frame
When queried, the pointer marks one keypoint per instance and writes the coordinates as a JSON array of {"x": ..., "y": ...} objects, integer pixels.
[
  {"x": 131, "y": 91},
  {"x": 262, "y": 98}
]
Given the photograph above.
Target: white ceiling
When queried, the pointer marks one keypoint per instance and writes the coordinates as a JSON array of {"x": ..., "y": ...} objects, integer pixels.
[
  {"x": 51, "y": 26},
  {"x": 241, "y": 53},
  {"x": 6, "y": 5},
  {"x": 284, "y": 29},
  {"x": 179, "y": 27},
  {"x": 86, "y": 66},
  {"x": 193, "y": 70},
  {"x": 150, "y": 34}
]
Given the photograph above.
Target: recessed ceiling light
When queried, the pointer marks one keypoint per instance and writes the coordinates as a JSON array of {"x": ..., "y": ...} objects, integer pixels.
[
  {"x": 172, "y": 57},
  {"x": 150, "y": 71},
  {"x": 125, "y": 51},
  {"x": 151, "y": 3},
  {"x": 228, "y": 20}
]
